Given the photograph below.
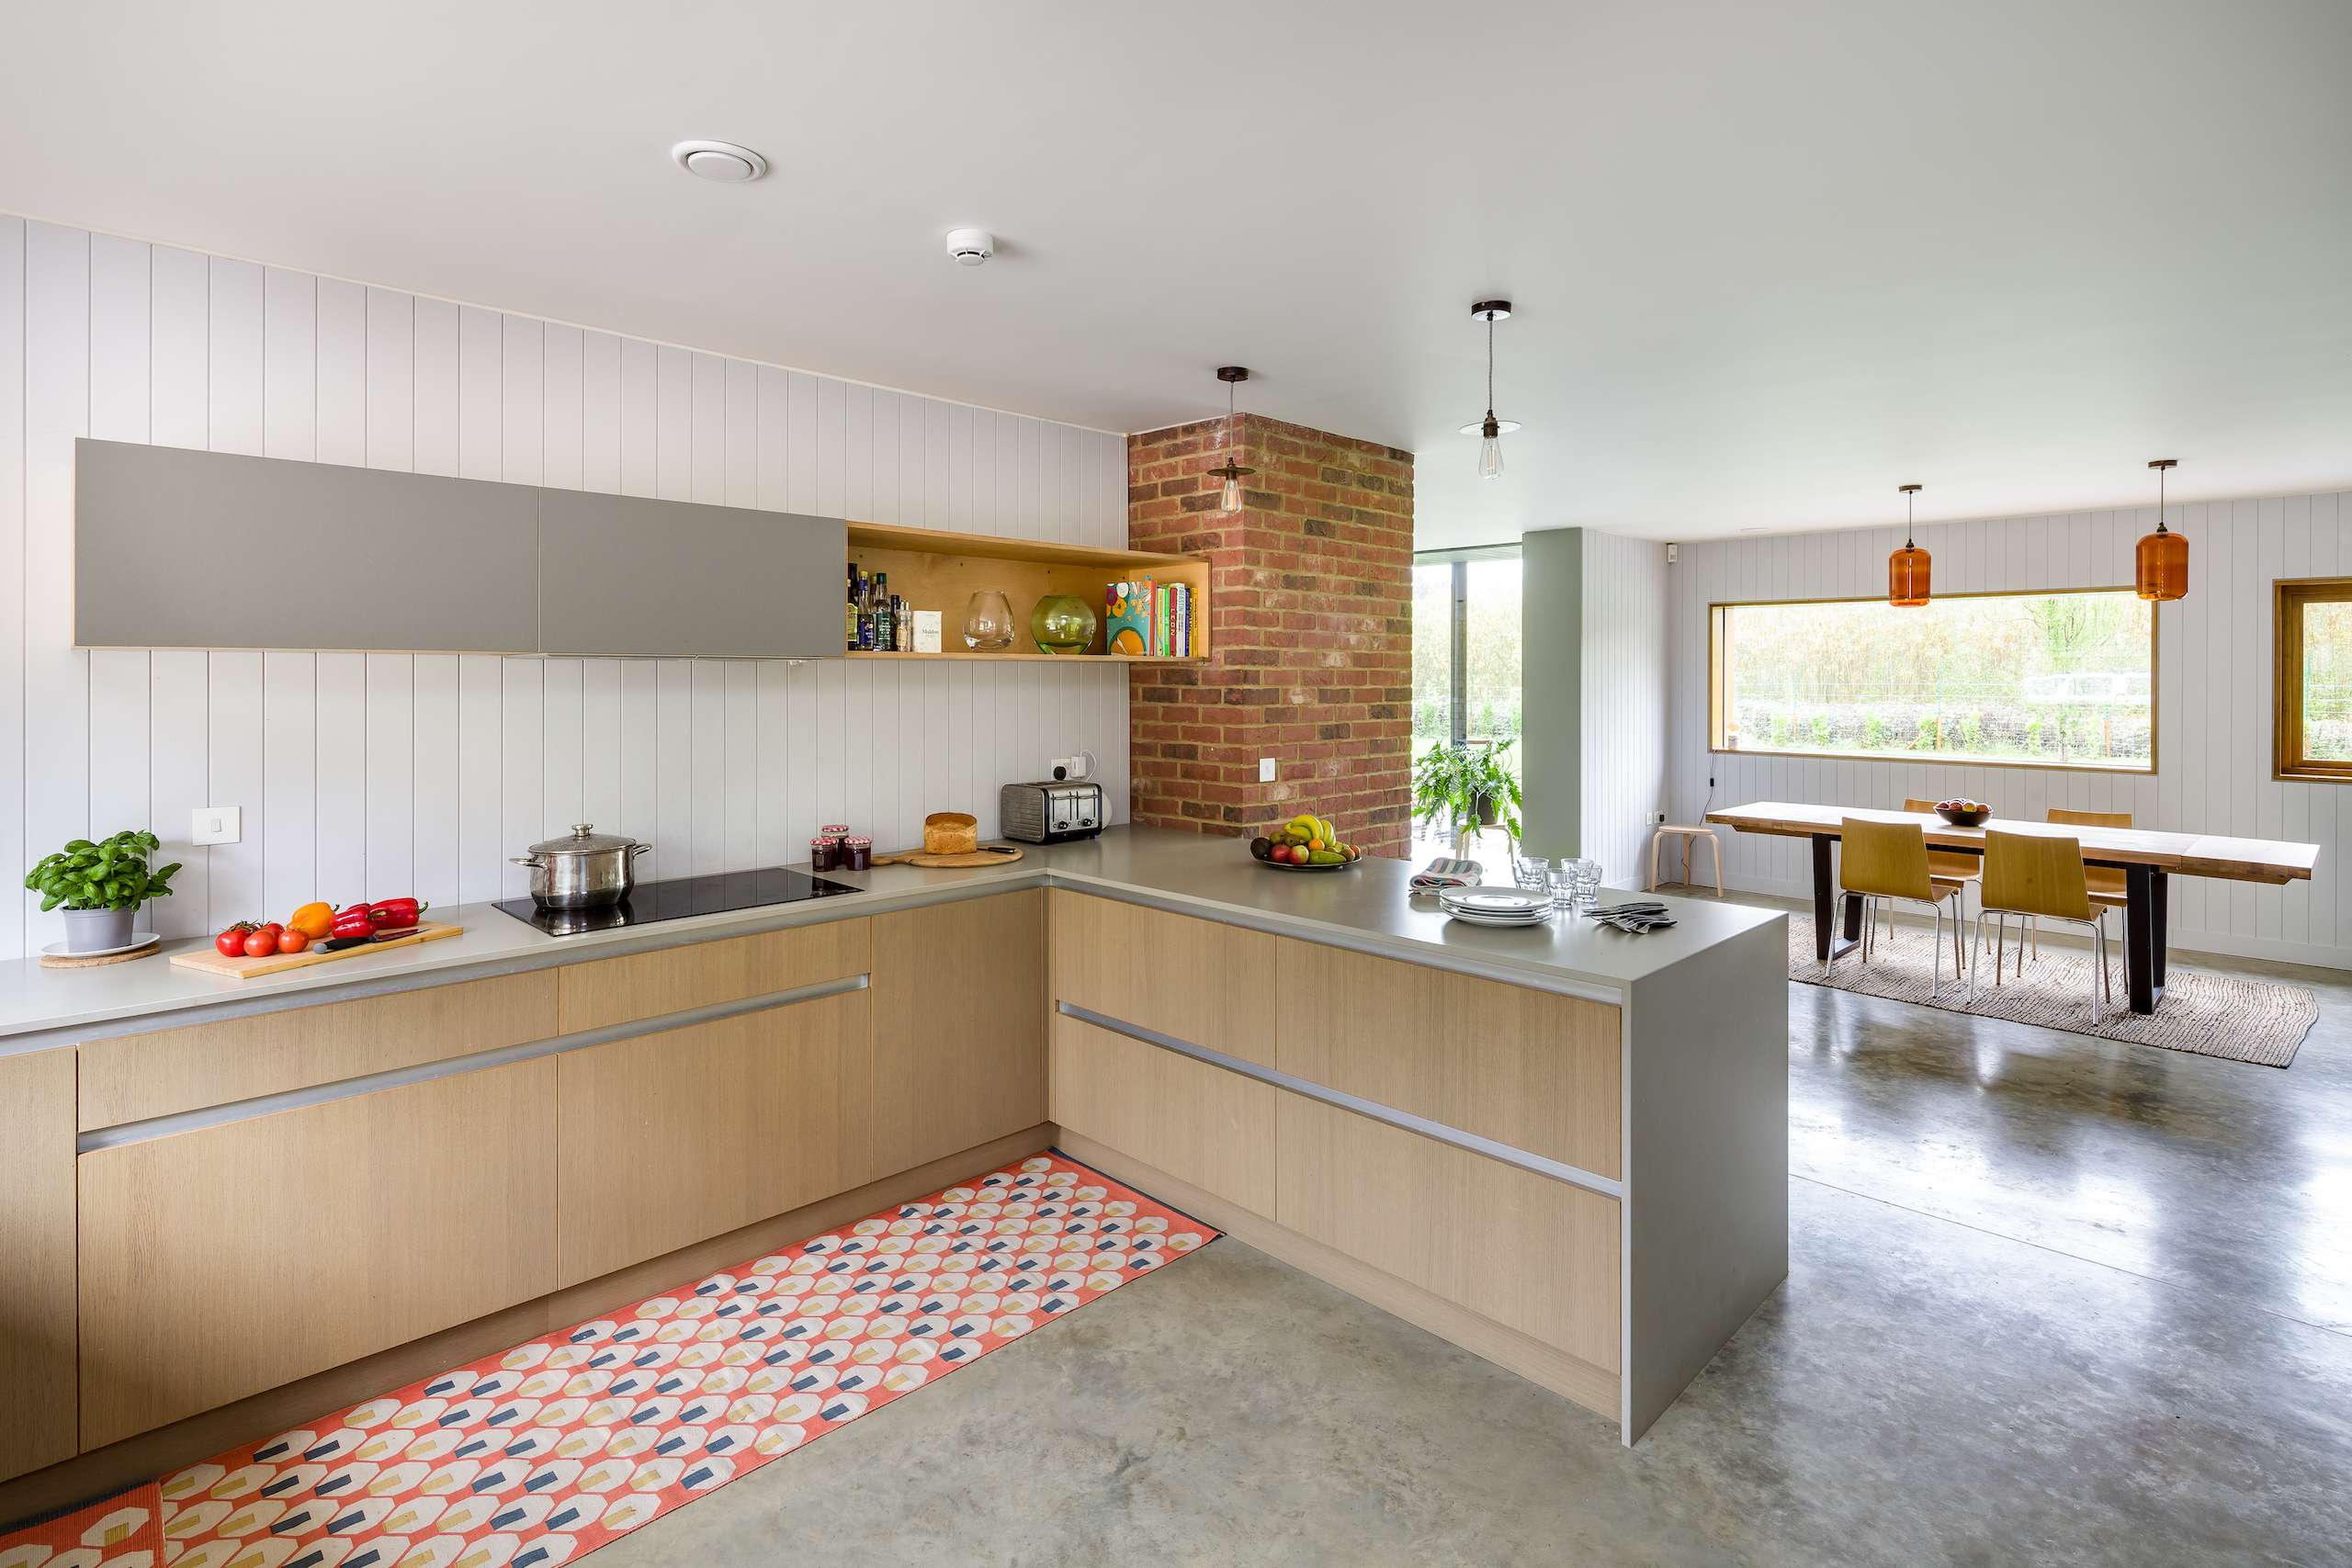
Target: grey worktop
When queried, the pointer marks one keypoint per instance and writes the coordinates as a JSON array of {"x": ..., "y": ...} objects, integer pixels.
[{"x": 1368, "y": 909}]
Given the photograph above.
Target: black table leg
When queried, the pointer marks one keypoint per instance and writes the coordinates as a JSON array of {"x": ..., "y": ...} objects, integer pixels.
[
  {"x": 2145, "y": 892},
  {"x": 2161, "y": 887},
  {"x": 1824, "y": 909}
]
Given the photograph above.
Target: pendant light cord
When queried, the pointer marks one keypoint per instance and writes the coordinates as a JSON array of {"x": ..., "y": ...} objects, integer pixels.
[
  {"x": 1908, "y": 498},
  {"x": 1490, "y": 365},
  {"x": 2160, "y": 500}
]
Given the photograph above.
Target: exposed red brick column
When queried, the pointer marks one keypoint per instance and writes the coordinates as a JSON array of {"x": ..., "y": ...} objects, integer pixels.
[{"x": 1311, "y": 631}]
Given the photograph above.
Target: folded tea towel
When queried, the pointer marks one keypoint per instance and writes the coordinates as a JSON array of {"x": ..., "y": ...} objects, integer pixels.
[{"x": 1444, "y": 873}]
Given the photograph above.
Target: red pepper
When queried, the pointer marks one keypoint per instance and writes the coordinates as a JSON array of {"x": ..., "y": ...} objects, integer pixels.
[
  {"x": 354, "y": 924},
  {"x": 395, "y": 914}
]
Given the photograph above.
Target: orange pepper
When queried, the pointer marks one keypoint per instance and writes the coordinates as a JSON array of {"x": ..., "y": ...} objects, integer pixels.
[{"x": 313, "y": 920}]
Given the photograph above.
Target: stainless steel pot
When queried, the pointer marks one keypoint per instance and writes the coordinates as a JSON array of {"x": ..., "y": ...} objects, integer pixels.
[{"x": 586, "y": 871}]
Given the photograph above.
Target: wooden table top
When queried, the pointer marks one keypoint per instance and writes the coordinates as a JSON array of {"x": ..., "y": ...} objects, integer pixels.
[{"x": 2183, "y": 854}]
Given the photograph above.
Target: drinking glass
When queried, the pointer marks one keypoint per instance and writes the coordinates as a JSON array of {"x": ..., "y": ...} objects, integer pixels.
[
  {"x": 1563, "y": 888},
  {"x": 1533, "y": 875},
  {"x": 1586, "y": 878}
]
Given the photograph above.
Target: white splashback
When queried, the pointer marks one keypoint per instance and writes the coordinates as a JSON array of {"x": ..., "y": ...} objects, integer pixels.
[
  {"x": 2214, "y": 678},
  {"x": 377, "y": 774}
]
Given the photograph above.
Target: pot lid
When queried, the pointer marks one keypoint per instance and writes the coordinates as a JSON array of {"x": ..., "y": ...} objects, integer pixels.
[{"x": 583, "y": 841}]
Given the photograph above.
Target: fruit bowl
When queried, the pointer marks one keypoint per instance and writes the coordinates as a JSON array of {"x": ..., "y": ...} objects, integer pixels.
[
  {"x": 1303, "y": 843},
  {"x": 1970, "y": 814}
]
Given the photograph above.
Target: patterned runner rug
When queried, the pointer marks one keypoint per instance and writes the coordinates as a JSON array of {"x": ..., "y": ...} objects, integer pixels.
[
  {"x": 2210, "y": 1015},
  {"x": 543, "y": 1454}
]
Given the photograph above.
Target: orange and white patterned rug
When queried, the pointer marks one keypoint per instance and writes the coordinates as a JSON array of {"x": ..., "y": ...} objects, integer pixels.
[{"x": 541, "y": 1455}]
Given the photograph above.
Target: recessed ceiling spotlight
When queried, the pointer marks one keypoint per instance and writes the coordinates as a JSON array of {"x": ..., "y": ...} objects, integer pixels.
[
  {"x": 970, "y": 247},
  {"x": 1758, "y": 529},
  {"x": 720, "y": 161}
]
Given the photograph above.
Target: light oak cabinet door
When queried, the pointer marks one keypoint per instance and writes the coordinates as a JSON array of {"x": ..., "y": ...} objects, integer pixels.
[
  {"x": 133, "y": 1076},
  {"x": 1533, "y": 1069},
  {"x": 1530, "y": 1253},
  {"x": 1211, "y": 1127},
  {"x": 36, "y": 1282},
  {"x": 221, "y": 1262},
  {"x": 1199, "y": 981},
  {"x": 959, "y": 1026},
  {"x": 704, "y": 973},
  {"x": 670, "y": 1138}
]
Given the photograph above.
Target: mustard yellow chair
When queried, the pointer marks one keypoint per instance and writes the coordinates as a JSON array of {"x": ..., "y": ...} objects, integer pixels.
[
  {"x": 2036, "y": 878},
  {"x": 2103, "y": 883},
  {"x": 1885, "y": 860},
  {"x": 1962, "y": 871}
]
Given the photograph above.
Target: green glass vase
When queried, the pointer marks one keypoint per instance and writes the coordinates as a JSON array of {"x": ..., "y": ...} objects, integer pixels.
[{"x": 1062, "y": 623}]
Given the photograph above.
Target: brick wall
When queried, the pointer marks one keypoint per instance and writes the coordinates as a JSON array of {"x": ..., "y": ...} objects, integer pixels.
[{"x": 1311, "y": 605}]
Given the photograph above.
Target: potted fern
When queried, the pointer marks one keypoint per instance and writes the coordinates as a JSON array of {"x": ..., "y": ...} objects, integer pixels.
[
  {"x": 1471, "y": 784},
  {"x": 102, "y": 886}
]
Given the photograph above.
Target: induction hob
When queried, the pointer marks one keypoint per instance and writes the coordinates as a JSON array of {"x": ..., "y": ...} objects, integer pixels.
[{"x": 678, "y": 899}]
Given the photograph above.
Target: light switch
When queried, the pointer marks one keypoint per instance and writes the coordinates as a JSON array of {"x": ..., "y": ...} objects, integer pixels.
[
  {"x": 1265, "y": 769},
  {"x": 217, "y": 825}
]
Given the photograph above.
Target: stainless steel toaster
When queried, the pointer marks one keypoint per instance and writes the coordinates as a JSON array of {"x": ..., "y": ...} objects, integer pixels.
[{"x": 1050, "y": 811}]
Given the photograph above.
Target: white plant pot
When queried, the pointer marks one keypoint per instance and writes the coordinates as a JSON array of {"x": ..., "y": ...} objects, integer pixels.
[{"x": 95, "y": 931}]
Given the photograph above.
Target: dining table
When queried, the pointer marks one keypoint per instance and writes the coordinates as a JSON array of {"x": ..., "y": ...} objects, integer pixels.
[{"x": 2148, "y": 858}]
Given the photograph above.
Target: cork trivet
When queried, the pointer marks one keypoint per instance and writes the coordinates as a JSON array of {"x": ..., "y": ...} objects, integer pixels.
[{"x": 50, "y": 961}]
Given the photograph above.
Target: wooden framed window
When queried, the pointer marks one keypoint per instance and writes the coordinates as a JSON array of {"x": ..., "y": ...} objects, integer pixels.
[{"x": 2311, "y": 723}]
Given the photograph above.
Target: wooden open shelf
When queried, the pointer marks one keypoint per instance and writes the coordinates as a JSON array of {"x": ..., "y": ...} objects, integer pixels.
[{"x": 937, "y": 570}]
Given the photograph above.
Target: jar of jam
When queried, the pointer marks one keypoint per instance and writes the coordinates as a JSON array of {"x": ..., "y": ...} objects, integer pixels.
[
  {"x": 861, "y": 855},
  {"x": 824, "y": 854}
]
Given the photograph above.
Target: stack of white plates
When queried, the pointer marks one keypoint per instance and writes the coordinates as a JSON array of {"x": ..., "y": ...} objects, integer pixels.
[{"x": 1495, "y": 906}]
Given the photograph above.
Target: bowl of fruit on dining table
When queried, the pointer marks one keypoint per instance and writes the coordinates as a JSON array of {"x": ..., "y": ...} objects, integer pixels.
[
  {"x": 1304, "y": 843},
  {"x": 1963, "y": 812}
]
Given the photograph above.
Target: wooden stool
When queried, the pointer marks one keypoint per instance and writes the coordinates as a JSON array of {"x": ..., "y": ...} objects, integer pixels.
[{"x": 1689, "y": 835}]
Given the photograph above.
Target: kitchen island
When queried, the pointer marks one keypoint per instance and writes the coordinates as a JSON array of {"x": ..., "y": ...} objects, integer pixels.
[{"x": 232, "y": 1203}]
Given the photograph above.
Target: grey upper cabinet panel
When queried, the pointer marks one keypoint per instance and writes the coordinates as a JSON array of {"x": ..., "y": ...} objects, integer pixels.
[
  {"x": 625, "y": 575},
  {"x": 175, "y": 548}
]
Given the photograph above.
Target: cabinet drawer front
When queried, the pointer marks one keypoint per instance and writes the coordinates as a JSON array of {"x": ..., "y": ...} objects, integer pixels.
[
  {"x": 703, "y": 974},
  {"x": 134, "y": 1076},
  {"x": 959, "y": 1026},
  {"x": 1201, "y": 981},
  {"x": 219, "y": 1263},
  {"x": 672, "y": 1137},
  {"x": 1529, "y": 1068},
  {"x": 37, "y": 1284},
  {"x": 1530, "y": 1253},
  {"x": 1211, "y": 1127}
]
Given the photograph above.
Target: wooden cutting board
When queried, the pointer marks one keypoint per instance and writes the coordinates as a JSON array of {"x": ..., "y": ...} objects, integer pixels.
[
  {"x": 212, "y": 963},
  {"x": 983, "y": 857}
]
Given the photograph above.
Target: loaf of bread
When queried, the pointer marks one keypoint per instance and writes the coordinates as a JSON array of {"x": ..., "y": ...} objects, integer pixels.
[{"x": 950, "y": 833}]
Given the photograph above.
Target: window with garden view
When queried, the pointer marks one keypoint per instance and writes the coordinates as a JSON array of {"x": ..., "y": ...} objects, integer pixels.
[
  {"x": 2053, "y": 679},
  {"x": 1466, "y": 657},
  {"x": 2313, "y": 680}
]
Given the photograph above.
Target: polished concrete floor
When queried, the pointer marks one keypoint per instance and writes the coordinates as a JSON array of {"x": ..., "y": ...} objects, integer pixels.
[{"x": 2053, "y": 1300}]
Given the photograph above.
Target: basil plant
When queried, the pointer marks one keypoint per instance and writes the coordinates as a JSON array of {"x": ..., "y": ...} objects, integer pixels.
[{"x": 109, "y": 875}]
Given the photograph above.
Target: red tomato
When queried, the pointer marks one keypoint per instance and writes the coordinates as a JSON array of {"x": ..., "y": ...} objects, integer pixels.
[
  {"x": 293, "y": 941},
  {"x": 231, "y": 942},
  {"x": 260, "y": 944}
]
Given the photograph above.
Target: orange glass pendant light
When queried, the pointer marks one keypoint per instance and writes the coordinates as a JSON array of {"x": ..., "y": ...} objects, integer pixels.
[
  {"x": 1907, "y": 568},
  {"x": 2161, "y": 568}
]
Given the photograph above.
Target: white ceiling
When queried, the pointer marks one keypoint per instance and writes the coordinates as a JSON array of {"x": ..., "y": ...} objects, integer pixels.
[{"x": 1770, "y": 261}]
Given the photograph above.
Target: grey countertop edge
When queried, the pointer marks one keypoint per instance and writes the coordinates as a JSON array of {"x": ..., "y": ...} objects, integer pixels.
[{"x": 495, "y": 943}]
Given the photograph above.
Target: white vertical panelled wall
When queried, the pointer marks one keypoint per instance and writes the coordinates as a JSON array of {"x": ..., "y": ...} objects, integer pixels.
[
  {"x": 2213, "y": 698},
  {"x": 376, "y": 774},
  {"x": 1624, "y": 719}
]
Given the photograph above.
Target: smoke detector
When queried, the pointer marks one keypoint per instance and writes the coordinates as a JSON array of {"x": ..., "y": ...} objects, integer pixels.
[
  {"x": 970, "y": 247},
  {"x": 720, "y": 161}
]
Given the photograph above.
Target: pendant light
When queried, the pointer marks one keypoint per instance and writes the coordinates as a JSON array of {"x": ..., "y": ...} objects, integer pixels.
[
  {"x": 1229, "y": 499},
  {"x": 1490, "y": 430},
  {"x": 1907, "y": 568},
  {"x": 2160, "y": 568}
]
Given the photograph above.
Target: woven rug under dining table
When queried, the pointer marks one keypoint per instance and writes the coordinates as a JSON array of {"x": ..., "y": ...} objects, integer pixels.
[{"x": 2207, "y": 1015}]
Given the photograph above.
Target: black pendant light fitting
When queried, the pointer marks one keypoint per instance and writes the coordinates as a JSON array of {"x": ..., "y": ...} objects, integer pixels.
[
  {"x": 1229, "y": 499},
  {"x": 1490, "y": 430}
]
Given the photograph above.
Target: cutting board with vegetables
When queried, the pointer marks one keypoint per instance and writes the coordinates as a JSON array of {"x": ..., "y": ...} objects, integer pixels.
[{"x": 212, "y": 963}]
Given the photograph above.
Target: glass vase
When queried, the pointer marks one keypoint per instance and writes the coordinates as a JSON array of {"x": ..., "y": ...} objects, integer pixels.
[
  {"x": 1062, "y": 623},
  {"x": 988, "y": 622}
]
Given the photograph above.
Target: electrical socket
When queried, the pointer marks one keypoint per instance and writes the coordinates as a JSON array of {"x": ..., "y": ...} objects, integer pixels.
[
  {"x": 216, "y": 825},
  {"x": 1657, "y": 819},
  {"x": 1265, "y": 769}
]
